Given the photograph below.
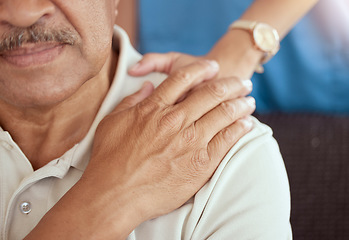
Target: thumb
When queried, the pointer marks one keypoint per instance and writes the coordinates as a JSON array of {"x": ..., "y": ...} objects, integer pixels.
[
  {"x": 154, "y": 62},
  {"x": 132, "y": 100}
]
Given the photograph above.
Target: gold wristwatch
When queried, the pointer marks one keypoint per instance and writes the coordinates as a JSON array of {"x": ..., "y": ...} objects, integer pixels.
[{"x": 265, "y": 38}]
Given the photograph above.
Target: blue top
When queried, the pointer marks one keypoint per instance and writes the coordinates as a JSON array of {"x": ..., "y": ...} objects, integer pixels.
[{"x": 309, "y": 73}]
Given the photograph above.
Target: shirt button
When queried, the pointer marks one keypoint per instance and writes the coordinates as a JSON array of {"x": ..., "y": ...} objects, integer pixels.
[{"x": 25, "y": 207}]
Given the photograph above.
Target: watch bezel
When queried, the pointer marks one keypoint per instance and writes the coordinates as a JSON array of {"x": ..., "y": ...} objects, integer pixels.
[
  {"x": 253, "y": 27},
  {"x": 261, "y": 29}
]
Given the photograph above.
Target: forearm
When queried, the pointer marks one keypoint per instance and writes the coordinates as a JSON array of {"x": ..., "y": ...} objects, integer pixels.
[
  {"x": 235, "y": 50},
  {"x": 282, "y": 15},
  {"x": 82, "y": 215}
]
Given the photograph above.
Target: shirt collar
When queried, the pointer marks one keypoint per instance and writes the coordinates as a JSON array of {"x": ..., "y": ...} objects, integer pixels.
[{"x": 121, "y": 43}]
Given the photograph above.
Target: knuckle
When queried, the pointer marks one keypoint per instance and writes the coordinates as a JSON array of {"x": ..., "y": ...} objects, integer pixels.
[
  {"x": 217, "y": 89},
  {"x": 189, "y": 135},
  {"x": 129, "y": 101},
  {"x": 200, "y": 159},
  {"x": 182, "y": 76},
  {"x": 229, "y": 110},
  {"x": 229, "y": 135},
  {"x": 241, "y": 107},
  {"x": 245, "y": 125},
  {"x": 147, "y": 106},
  {"x": 172, "y": 120},
  {"x": 232, "y": 134}
]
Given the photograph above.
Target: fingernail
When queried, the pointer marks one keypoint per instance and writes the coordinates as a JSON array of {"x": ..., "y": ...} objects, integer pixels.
[
  {"x": 251, "y": 101},
  {"x": 247, "y": 83},
  {"x": 214, "y": 64}
]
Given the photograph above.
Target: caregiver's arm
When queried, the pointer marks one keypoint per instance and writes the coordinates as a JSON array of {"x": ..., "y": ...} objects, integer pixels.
[{"x": 235, "y": 51}]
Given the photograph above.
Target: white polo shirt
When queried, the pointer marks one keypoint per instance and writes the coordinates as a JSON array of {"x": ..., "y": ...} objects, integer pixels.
[{"x": 247, "y": 197}]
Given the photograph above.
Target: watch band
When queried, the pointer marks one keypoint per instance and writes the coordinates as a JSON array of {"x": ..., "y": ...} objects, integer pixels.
[
  {"x": 252, "y": 27},
  {"x": 243, "y": 24}
]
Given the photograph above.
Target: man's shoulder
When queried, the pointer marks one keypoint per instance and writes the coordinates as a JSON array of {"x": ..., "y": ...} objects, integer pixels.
[
  {"x": 247, "y": 197},
  {"x": 249, "y": 190}
]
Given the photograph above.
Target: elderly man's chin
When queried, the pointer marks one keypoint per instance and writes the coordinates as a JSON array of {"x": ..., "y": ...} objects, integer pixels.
[
  {"x": 42, "y": 87},
  {"x": 45, "y": 79},
  {"x": 45, "y": 93}
]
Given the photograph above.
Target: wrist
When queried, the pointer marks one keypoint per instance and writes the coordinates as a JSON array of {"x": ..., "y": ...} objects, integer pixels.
[
  {"x": 236, "y": 54},
  {"x": 109, "y": 213},
  {"x": 265, "y": 38}
]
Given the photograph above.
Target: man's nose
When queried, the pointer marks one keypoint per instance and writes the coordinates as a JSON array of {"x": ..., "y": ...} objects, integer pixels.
[{"x": 25, "y": 13}]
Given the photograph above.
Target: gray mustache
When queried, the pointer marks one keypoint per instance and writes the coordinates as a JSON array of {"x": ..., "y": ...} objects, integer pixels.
[{"x": 35, "y": 34}]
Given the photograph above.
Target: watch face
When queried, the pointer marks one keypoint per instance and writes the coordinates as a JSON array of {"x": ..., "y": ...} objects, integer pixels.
[{"x": 265, "y": 37}]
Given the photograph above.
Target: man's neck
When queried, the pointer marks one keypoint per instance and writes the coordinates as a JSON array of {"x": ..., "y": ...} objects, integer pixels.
[{"x": 44, "y": 134}]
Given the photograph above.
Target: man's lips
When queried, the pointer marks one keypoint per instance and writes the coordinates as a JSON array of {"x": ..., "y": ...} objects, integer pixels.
[{"x": 33, "y": 54}]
